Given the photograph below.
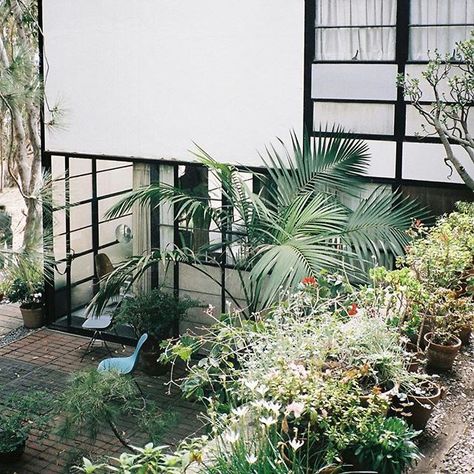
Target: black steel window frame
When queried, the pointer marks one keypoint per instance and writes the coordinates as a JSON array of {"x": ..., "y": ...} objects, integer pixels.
[
  {"x": 399, "y": 136},
  {"x": 95, "y": 248}
]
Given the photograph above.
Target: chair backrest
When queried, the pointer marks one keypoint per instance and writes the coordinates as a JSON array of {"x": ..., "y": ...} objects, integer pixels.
[
  {"x": 103, "y": 265},
  {"x": 137, "y": 350}
]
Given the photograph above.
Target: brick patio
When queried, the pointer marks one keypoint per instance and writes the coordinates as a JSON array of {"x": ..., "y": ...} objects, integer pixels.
[{"x": 43, "y": 361}]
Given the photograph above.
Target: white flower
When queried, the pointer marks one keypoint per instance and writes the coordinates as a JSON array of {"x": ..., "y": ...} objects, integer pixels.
[
  {"x": 272, "y": 406},
  {"x": 262, "y": 390},
  {"x": 251, "y": 458},
  {"x": 296, "y": 444},
  {"x": 296, "y": 407},
  {"x": 267, "y": 420},
  {"x": 231, "y": 436},
  {"x": 251, "y": 385},
  {"x": 240, "y": 412}
]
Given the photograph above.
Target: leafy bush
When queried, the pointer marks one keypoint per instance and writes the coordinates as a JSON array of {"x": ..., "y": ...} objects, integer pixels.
[
  {"x": 20, "y": 414},
  {"x": 156, "y": 313},
  {"x": 442, "y": 255},
  {"x": 387, "y": 446},
  {"x": 97, "y": 400}
]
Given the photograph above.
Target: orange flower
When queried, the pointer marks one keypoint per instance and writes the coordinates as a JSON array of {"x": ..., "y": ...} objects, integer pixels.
[
  {"x": 352, "y": 311},
  {"x": 309, "y": 281}
]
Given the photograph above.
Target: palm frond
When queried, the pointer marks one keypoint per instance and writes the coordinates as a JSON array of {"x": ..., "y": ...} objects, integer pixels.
[
  {"x": 335, "y": 162},
  {"x": 379, "y": 223}
]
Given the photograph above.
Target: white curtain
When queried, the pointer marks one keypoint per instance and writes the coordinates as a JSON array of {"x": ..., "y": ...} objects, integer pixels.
[
  {"x": 372, "y": 36},
  {"x": 442, "y": 38},
  {"x": 141, "y": 226}
]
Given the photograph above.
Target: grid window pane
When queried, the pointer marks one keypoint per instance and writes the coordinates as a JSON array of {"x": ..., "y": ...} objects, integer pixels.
[
  {"x": 364, "y": 44},
  {"x": 354, "y": 81},
  {"x": 358, "y": 118},
  {"x": 426, "y": 39}
]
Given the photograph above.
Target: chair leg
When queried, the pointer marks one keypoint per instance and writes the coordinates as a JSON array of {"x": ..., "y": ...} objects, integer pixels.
[
  {"x": 91, "y": 342},
  {"x": 101, "y": 337}
]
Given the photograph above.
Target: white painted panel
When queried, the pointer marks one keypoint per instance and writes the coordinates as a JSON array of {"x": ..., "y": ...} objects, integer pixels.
[
  {"x": 415, "y": 122},
  {"x": 354, "y": 81},
  {"x": 382, "y": 162},
  {"x": 415, "y": 71},
  {"x": 425, "y": 161},
  {"x": 358, "y": 118},
  {"x": 114, "y": 181},
  {"x": 147, "y": 78}
]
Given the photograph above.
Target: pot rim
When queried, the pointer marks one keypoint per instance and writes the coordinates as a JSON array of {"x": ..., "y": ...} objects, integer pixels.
[
  {"x": 428, "y": 340},
  {"x": 427, "y": 397}
]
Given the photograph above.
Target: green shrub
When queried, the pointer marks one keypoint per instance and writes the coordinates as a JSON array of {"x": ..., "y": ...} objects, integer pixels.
[{"x": 387, "y": 446}]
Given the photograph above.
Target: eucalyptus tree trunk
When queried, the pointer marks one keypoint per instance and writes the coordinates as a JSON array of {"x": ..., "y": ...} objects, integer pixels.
[{"x": 20, "y": 94}]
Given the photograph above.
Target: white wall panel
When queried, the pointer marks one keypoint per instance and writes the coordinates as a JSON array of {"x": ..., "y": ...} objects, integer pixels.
[
  {"x": 146, "y": 78},
  {"x": 382, "y": 162},
  {"x": 354, "y": 81},
  {"x": 425, "y": 161}
]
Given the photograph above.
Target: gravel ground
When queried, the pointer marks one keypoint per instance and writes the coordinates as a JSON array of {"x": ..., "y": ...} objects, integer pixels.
[
  {"x": 14, "y": 335},
  {"x": 448, "y": 442}
]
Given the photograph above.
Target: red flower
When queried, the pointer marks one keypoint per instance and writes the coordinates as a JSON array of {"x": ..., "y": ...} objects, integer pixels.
[
  {"x": 309, "y": 281},
  {"x": 352, "y": 311}
]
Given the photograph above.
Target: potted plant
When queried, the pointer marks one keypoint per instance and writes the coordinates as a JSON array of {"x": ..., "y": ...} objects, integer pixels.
[
  {"x": 13, "y": 436},
  {"x": 24, "y": 284},
  {"x": 415, "y": 402},
  {"x": 387, "y": 447},
  {"x": 442, "y": 348},
  {"x": 19, "y": 416},
  {"x": 157, "y": 313}
]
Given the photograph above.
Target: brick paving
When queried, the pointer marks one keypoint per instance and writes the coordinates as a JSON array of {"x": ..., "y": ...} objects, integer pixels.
[{"x": 43, "y": 361}]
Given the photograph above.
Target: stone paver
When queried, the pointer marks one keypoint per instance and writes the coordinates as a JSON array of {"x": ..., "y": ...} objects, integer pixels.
[
  {"x": 44, "y": 360},
  {"x": 10, "y": 318}
]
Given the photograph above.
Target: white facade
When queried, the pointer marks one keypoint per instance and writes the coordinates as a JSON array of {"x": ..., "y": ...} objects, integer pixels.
[{"x": 148, "y": 78}]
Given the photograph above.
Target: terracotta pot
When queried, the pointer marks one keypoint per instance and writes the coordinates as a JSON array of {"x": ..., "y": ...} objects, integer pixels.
[
  {"x": 464, "y": 334},
  {"x": 439, "y": 356},
  {"x": 416, "y": 410},
  {"x": 14, "y": 454},
  {"x": 150, "y": 364},
  {"x": 428, "y": 325},
  {"x": 32, "y": 318},
  {"x": 388, "y": 395},
  {"x": 415, "y": 358}
]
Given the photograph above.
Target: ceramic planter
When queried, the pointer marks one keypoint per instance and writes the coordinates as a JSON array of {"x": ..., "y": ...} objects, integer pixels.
[
  {"x": 415, "y": 357},
  {"x": 464, "y": 334},
  {"x": 149, "y": 357},
  {"x": 416, "y": 409},
  {"x": 32, "y": 318},
  {"x": 441, "y": 357},
  {"x": 14, "y": 454},
  {"x": 150, "y": 364}
]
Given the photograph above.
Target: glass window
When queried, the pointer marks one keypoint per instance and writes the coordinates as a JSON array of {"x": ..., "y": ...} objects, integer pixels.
[
  {"x": 357, "y": 118},
  {"x": 355, "y": 30},
  {"x": 438, "y": 24}
]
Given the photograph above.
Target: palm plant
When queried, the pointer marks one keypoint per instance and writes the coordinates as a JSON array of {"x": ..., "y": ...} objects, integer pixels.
[{"x": 296, "y": 226}]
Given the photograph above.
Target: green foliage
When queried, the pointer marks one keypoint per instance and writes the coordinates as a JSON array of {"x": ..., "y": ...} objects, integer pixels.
[
  {"x": 441, "y": 255},
  {"x": 296, "y": 226},
  {"x": 149, "y": 460},
  {"x": 450, "y": 80},
  {"x": 156, "y": 313},
  {"x": 387, "y": 446},
  {"x": 94, "y": 401},
  {"x": 20, "y": 414}
]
